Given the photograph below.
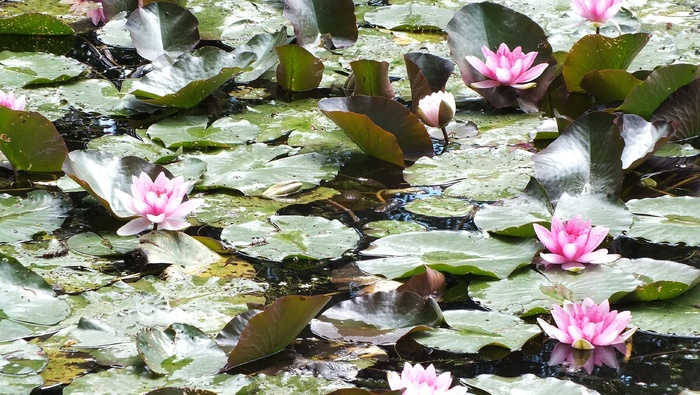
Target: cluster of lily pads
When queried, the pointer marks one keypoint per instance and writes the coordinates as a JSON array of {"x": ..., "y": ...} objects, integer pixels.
[{"x": 614, "y": 132}]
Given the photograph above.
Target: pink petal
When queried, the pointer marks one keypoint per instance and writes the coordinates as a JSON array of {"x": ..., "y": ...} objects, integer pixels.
[
  {"x": 573, "y": 266},
  {"x": 479, "y": 65},
  {"x": 554, "y": 259},
  {"x": 533, "y": 73},
  {"x": 134, "y": 226},
  {"x": 554, "y": 332},
  {"x": 174, "y": 224},
  {"x": 485, "y": 84}
]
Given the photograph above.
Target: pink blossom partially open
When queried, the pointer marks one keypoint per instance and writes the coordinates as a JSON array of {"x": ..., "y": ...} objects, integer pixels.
[
  {"x": 504, "y": 67},
  {"x": 596, "y": 11},
  {"x": 564, "y": 354},
  {"x": 158, "y": 202},
  {"x": 415, "y": 380},
  {"x": 10, "y": 101},
  {"x": 573, "y": 243},
  {"x": 588, "y": 325},
  {"x": 91, "y": 8},
  {"x": 437, "y": 109}
]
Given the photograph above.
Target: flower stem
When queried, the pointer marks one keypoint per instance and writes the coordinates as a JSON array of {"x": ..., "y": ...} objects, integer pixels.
[
  {"x": 597, "y": 30},
  {"x": 444, "y": 134}
]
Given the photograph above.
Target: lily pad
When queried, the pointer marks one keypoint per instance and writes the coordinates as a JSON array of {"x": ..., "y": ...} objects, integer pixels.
[
  {"x": 35, "y": 23},
  {"x": 263, "y": 46},
  {"x": 476, "y": 173},
  {"x": 601, "y": 210},
  {"x": 27, "y": 301},
  {"x": 180, "y": 351},
  {"x": 440, "y": 206},
  {"x": 497, "y": 385},
  {"x": 678, "y": 316},
  {"x": 31, "y": 142},
  {"x": 194, "y": 132},
  {"x": 642, "y": 138},
  {"x": 663, "y": 279},
  {"x": 177, "y": 248},
  {"x": 666, "y": 219},
  {"x": 21, "y": 358},
  {"x": 39, "y": 68},
  {"x": 371, "y": 78},
  {"x": 391, "y": 227},
  {"x": 471, "y": 330},
  {"x": 457, "y": 252},
  {"x": 20, "y": 385},
  {"x": 529, "y": 292},
  {"x": 163, "y": 28},
  {"x": 40, "y": 211},
  {"x": 313, "y": 19},
  {"x": 584, "y": 159},
  {"x": 253, "y": 168},
  {"x": 427, "y": 73},
  {"x": 191, "y": 78},
  {"x": 680, "y": 110},
  {"x": 125, "y": 145},
  {"x": 272, "y": 330},
  {"x": 380, "y": 318},
  {"x": 292, "y": 236},
  {"x": 90, "y": 243},
  {"x": 411, "y": 17},
  {"x": 299, "y": 70}
]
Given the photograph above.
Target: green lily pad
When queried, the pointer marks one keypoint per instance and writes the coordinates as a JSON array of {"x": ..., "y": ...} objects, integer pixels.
[
  {"x": 38, "y": 24},
  {"x": 21, "y": 358},
  {"x": 598, "y": 52},
  {"x": 371, "y": 78},
  {"x": 27, "y": 301},
  {"x": 584, "y": 159},
  {"x": 292, "y": 236},
  {"x": 177, "y": 248},
  {"x": 253, "y": 168},
  {"x": 40, "y": 211},
  {"x": 314, "y": 18},
  {"x": 378, "y": 318},
  {"x": 679, "y": 110},
  {"x": 497, "y": 385},
  {"x": 678, "y": 316},
  {"x": 642, "y": 138},
  {"x": 263, "y": 46},
  {"x": 41, "y": 68},
  {"x": 385, "y": 228},
  {"x": 124, "y": 145},
  {"x": 91, "y": 96},
  {"x": 411, "y": 17},
  {"x": 440, "y": 206},
  {"x": 90, "y": 243},
  {"x": 457, "y": 252},
  {"x": 476, "y": 173},
  {"x": 191, "y": 78},
  {"x": 194, "y": 132},
  {"x": 20, "y": 385},
  {"x": 299, "y": 70},
  {"x": 427, "y": 73},
  {"x": 471, "y": 330},
  {"x": 163, "y": 28},
  {"x": 602, "y": 210},
  {"x": 31, "y": 142},
  {"x": 609, "y": 85},
  {"x": 663, "y": 279},
  {"x": 529, "y": 293},
  {"x": 271, "y": 330},
  {"x": 180, "y": 351},
  {"x": 666, "y": 219}
]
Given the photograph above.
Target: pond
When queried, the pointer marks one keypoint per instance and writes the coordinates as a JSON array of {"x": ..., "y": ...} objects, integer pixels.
[{"x": 278, "y": 196}]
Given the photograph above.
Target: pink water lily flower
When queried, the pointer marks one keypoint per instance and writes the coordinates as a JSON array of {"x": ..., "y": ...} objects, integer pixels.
[
  {"x": 158, "y": 202},
  {"x": 437, "y": 109},
  {"x": 91, "y": 8},
  {"x": 415, "y": 380},
  {"x": 588, "y": 325},
  {"x": 10, "y": 101},
  {"x": 564, "y": 354},
  {"x": 572, "y": 243},
  {"x": 596, "y": 11},
  {"x": 504, "y": 67}
]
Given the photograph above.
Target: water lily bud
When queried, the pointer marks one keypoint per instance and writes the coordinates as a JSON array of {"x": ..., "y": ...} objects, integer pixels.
[
  {"x": 10, "y": 101},
  {"x": 437, "y": 109},
  {"x": 282, "y": 188}
]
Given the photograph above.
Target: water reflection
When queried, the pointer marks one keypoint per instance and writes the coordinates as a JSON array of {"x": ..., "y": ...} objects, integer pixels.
[{"x": 575, "y": 359}]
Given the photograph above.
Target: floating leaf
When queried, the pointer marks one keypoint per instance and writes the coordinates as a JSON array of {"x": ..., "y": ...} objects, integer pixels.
[
  {"x": 666, "y": 219},
  {"x": 371, "y": 78},
  {"x": 298, "y": 70},
  {"x": 333, "y": 22},
  {"x": 410, "y": 17},
  {"x": 113, "y": 7},
  {"x": 678, "y": 316},
  {"x": 180, "y": 351},
  {"x": 585, "y": 159},
  {"x": 457, "y": 252},
  {"x": 177, "y": 248},
  {"x": 642, "y": 138},
  {"x": 21, "y": 358},
  {"x": 292, "y": 236},
  {"x": 490, "y": 24},
  {"x": 254, "y": 168},
  {"x": 381, "y": 127},
  {"x": 601, "y": 210},
  {"x": 193, "y": 132},
  {"x": 263, "y": 46},
  {"x": 40, "y": 68},
  {"x": 497, "y": 385},
  {"x": 378, "y": 318},
  {"x": 191, "y": 78},
  {"x": 270, "y": 331},
  {"x": 663, "y": 279},
  {"x": 440, "y": 206},
  {"x": 31, "y": 142},
  {"x": 609, "y": 85},
  {"x": 682, "y": 110},
  {"x": 229, "y": 336},
  {"x": 40, "y": 211},
  {"x": 427, "y": 73},
  {"x": 529, "y": 292},
  {"x": 385, "y": 228},
  {"x": 598, "y": 52},
  {"x": 163, "y": 28},
  {"x": 429, "y": 283},
  {"x": 90, "y": 243},
  {"x": 38, "y": 24},
  {"x": 657, "y": 87},
  {"x": 27, "y": 300},
  {"x": 471, "y": 330},
  {"x": 476, "y": 173}
]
